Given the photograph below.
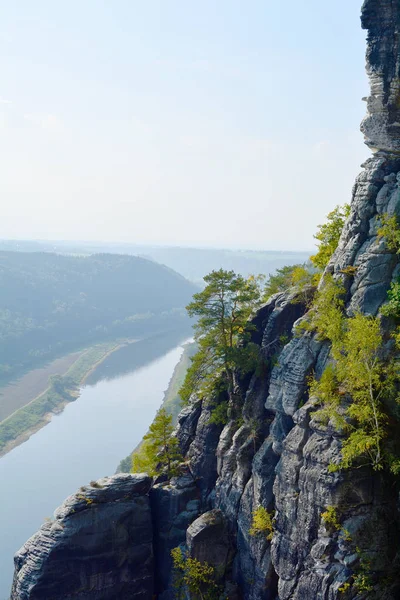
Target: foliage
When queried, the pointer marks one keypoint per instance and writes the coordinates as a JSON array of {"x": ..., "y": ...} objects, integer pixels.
[
  {"x": 360, "y": 373},
  {"x": 392, "y": 307},
  {"x": 172, "y": 403},
  {"x": 219, "y": 415},
  {"x": 331, "y": 518},
  {"x": 280, "y": 281},
  {"x": 52, "y": 304},
  {"x": 142, "y": 461},
  {"x": 362, "y": 577},
  {"x": 390, "y": 231},
  {"x": 350, "y": 270},
  {"x": 368, "y": 379},
  {"x": 198, "y": 578},
  {"x": 327, "y": 311},
  {"x": 160, "y": 449},
  {"x": 327, "y": 391},
  {"x": 345, "y": 588},
  {"x": 61, "y": 389},
  {"x": 200, "y": 374},
  {"x": 298, "y": 276},
  {"x": 262, "y": 522},
  {"x": 328, "y": 235},
  {"x": 222, "y": 331}
]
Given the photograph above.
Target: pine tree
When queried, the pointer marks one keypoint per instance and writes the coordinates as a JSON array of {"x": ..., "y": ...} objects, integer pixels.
[
  {"x": 160, "y": 449},
  {"x": 223, "y": 309}
]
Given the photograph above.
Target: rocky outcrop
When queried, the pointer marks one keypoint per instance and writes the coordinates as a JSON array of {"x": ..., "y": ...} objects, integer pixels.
[
  {"x": 175, "y": 505},
  {"x": 99, "y": 545},
  {"x": 381, "y": 126},
  {"x": 273, "y": 452}
]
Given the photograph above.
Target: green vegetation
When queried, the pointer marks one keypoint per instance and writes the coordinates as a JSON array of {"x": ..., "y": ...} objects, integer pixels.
[
  {"x": 361, "y": 578},
  {"x": 361, "y": 374},
  {"x": 192, "y": 263},
  {"x": 61, "y": 389},
  {"x": 193, "y": 576},
  {"x": 172, "y": 402},
  {"x": 390, "y": 231},
  {"x": 87, "y": 361},
  {"x": 331, "y": 518},
  {"x": 159, "y": 451},
  {"x": 328, "y": 235},
  {"x": 219, "y": 415},
  {"x": 302, "y": 276},
  {"x": 52, "y": 304},
  {"x": 295, "y": 276},
  {"x": 392, "y": 307},
  {"x": 280, "y": 281},
  {"x": 222, "y": 332},
  {"x": 262, "y": 523}
]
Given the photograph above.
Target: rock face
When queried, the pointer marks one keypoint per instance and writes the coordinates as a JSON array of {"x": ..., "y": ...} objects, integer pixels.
[
  {"x": 381, "y": 127},
  {"x": 273, "y": 452},
  {"x": 98, "y": 546}
]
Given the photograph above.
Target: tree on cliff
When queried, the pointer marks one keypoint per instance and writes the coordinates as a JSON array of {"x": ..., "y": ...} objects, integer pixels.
[
  {"x": 159, "y": 450},
  {"x": 223, "y": 309},
  {"x": 328, "y": 235}
]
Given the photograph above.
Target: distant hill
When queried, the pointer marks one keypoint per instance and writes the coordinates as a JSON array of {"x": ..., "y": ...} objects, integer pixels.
[
  {"x": 192, "y": 263},
  {"x": 52, "y": 303}
]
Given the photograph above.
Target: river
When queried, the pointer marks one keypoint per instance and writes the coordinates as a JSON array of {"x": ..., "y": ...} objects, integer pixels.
[{"x": 86, "y": 441}]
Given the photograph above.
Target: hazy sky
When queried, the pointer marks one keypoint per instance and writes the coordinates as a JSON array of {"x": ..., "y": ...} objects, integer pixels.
[{"x": 214, "y": 122}]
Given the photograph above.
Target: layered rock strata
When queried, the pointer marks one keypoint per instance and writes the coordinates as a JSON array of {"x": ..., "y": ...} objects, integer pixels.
[{"x": 99, "y": 545}]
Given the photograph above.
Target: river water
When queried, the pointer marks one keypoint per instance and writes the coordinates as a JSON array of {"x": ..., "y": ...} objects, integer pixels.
[{"x": 85, "y": 442}]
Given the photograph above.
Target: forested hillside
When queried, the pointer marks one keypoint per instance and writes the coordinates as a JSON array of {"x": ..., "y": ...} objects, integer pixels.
[
  {"x": 192, "y": 263},
  {"x": 52, "y": 303}
]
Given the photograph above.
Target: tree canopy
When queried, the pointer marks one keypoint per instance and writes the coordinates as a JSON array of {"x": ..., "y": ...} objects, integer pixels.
[
  {"x": 328, "y": 235},
  {"x": 159, "y": 450},
  {"x": 52, "y": 304},
  {"x": 222, "y": 330}
]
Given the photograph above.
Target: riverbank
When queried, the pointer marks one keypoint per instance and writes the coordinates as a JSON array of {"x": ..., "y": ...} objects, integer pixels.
[
  {"x": 86, "y": 441},
  {"x": 18, "y": 427},
  {"x": 32, "y": 384}
]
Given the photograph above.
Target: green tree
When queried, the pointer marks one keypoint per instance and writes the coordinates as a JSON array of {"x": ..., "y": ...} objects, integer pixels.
[
  {"x": 360, "y": 374},
  {"x": 197, "y": 577},
  {"x": 160, "y": 449},
  {"x": 328, "y": 235},
  {"x": 280, "y": 281},
  {"x": 222, "y": 330},
  {"x": 392, "y": 307},
  {"x": 390, "y": 231}
]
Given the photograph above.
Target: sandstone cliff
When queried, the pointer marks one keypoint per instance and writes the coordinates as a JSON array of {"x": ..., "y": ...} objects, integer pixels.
[{"x": 273, "y": 451}]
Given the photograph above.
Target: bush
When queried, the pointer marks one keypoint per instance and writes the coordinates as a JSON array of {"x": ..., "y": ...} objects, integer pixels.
[
  {"x": 194, "y": 576},
  {"x": 328, "y": 236},
  {"x": 331, "y": 518},
  {"x": 262, "y": 523}
]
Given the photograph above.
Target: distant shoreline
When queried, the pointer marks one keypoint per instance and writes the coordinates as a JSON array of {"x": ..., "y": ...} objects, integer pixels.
[{"x": 84, "y": 371}]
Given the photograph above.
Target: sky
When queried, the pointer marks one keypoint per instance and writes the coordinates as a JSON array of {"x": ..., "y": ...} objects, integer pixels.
[{"x": 228, "y": 123}]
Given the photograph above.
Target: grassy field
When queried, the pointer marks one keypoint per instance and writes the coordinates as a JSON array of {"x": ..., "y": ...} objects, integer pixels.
[
  {"x": 171, "y": 402},
  {"x": 26, "y": 420}
]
